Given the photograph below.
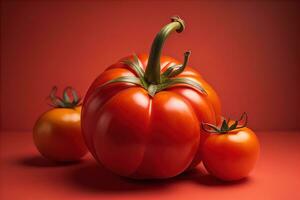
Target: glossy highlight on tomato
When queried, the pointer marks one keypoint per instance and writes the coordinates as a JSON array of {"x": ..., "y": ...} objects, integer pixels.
[{"x": 141, "y": 116}]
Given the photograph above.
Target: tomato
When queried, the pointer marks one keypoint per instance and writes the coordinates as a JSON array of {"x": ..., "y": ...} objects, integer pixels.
[
  {"x": 230, "y": 153},
  {"x": 57, "y": 133},
  {"x": 141, "y": 117}
]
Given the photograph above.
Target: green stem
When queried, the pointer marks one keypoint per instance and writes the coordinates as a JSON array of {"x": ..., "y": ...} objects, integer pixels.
[
  {"x": 152, "y": 80},
  {"x": 152, "y": 74}
]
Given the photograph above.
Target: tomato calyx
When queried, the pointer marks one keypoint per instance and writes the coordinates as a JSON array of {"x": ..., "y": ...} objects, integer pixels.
[
  {"x": 152, "y": 79},
  {"x": 225, "y": 126},
  {"x": 67, "y": 100}
]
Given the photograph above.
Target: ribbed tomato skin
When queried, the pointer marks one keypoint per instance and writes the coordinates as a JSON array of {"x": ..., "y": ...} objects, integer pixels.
[{"x": 139, "y": 136}]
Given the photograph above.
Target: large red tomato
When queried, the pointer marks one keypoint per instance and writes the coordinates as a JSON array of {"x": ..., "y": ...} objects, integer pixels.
[{"x": 141, "y": 117}]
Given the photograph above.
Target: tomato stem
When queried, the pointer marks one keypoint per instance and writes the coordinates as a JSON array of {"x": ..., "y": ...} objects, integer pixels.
[
  {"x": 152, "y": 74},
  {"x": 152, "y": 80}
]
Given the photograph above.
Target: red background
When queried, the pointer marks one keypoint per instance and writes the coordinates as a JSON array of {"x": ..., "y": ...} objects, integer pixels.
[{"x": 249, "y": 52}]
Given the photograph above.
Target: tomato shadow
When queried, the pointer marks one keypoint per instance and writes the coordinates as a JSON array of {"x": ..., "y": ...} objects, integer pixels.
[
  {"x": 39, "y": 162},
  {"x": 200, "y": 176},
  {"x": 93, "y": 177}
]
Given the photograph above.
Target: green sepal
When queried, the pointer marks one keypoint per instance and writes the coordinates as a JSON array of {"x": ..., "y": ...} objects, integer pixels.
[
  {"x": 244, "y": 115},
  {"x": 211, "y": 126},
  {"x": 167, "y": 73},
  {"x": 65, "y": 101},
  {"x": 66, "y": 97},
  {"x": 55, "y": 101},
  {"x": 136, "y": 66},
  {"x": 126, "y": 79},
  {"x": 76, "y": 98},
  {"x": 234, "y": 125},
  {"x": 225, "y": 125},
  {"x": 186, "y": 81},
  {"x": 152, "y": 89}
]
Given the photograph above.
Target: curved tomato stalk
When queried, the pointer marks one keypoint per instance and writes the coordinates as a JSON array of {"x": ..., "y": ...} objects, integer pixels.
[
  {"x": 177, "y": 69},
  {"x": 225, "y": 126},
  {"x": 67, "y": 100},
  {"x": 152, "y": 80}
]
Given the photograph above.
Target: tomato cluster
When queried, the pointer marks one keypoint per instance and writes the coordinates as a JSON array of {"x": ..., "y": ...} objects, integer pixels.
[
  {"x": 149, "y": 116},
  {"x": 142, "y": 118}
]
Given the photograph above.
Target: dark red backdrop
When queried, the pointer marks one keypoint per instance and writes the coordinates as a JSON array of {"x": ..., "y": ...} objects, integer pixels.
[{"x": 249, "y": 51}]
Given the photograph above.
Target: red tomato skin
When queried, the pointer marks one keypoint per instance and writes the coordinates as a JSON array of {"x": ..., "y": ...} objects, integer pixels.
[
  {"x": 230, "y": 156},
  {"x": 139, "y": 136},
  {"x": 57, "y": 135}
]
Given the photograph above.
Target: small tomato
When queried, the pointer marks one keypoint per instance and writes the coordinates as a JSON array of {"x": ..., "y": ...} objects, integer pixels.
[
  {"x": 57, "y": 132},
  {"x": 230, "y": 152}
]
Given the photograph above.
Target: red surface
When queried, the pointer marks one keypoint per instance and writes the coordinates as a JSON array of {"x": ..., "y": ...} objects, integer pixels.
[
  {"x": 25, "y": 175},
  {"x": 248, "y": 50}
]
